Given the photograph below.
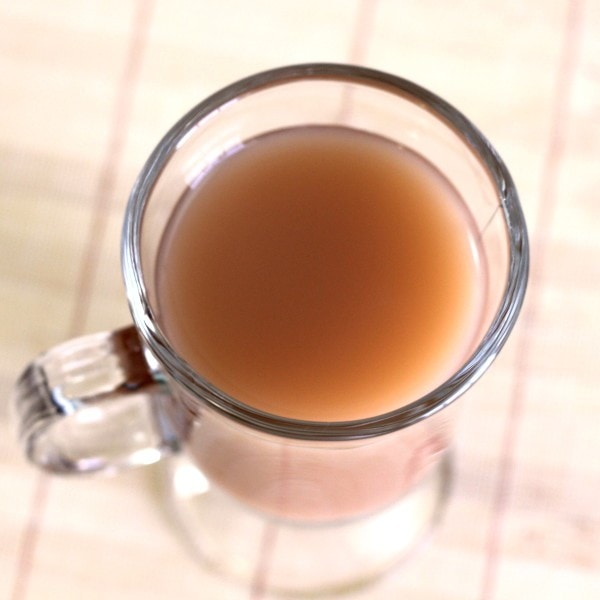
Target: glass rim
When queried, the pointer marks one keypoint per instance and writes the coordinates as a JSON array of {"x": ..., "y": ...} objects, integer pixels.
[{"x": 404, "y": 416}]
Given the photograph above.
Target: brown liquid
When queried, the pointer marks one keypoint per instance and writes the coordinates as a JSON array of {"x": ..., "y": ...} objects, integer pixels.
[{"x": 321, "y": 273}]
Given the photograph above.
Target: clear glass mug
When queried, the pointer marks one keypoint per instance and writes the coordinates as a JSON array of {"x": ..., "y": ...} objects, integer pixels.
[{"x": 336, "y": 503}]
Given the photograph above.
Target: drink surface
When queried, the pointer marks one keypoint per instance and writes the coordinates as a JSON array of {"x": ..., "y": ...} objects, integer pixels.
[{"x": 321, "y": 273}]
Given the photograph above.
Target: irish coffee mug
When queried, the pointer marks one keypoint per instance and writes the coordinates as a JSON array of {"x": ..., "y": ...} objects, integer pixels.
[{"x": 318, "y": 506}]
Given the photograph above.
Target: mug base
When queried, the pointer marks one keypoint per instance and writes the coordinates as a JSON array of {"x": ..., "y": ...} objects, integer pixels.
[{"x": 297, "y": 558}]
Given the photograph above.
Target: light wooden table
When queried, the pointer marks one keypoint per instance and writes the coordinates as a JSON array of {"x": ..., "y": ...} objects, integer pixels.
[{"x": 87, "y": 90}]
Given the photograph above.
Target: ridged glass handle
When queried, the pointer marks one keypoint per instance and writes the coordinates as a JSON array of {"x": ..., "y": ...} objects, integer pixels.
[{"x": 91, "y": 405}]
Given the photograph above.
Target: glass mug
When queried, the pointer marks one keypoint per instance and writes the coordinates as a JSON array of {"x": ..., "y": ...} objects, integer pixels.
[{"x": 332, "y": 504}]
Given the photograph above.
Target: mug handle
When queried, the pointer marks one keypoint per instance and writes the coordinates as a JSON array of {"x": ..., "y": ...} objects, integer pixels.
[{"x": 93, "y": 405}]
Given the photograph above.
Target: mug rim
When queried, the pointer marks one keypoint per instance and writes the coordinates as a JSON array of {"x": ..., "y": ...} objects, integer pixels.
[{"x": 425, "y": 406}]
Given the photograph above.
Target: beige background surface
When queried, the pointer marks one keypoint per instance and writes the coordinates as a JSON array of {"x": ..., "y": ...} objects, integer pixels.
[{"x": 88, "y": 88}]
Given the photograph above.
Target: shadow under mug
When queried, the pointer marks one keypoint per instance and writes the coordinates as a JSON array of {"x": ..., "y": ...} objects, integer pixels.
[{"x": 332, "y": 504}]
